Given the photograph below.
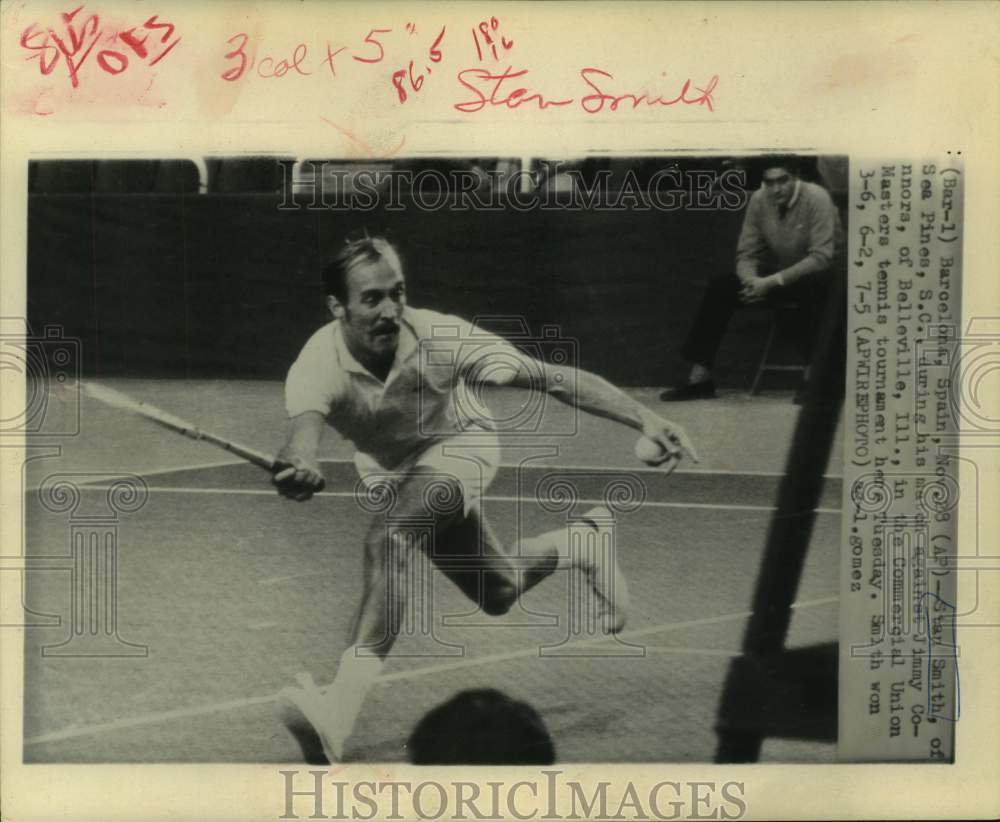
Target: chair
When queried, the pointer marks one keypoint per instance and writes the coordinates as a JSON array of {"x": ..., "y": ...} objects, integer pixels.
[{"x": 782, "y": 317}]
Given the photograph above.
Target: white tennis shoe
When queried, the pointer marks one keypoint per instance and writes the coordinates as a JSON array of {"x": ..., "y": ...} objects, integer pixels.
[
  {"x": 601, "y": 569},
  {"x": 317, "y": 706},
  {"x": 334, "y": 710}
]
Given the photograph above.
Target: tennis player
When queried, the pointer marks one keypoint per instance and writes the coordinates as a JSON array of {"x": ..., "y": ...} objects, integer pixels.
[{"x": 418, "y": 436}]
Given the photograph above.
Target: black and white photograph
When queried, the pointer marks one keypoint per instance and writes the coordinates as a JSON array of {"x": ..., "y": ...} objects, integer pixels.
[
  {"x": 487, "y": 411},
  {"x": 428, "y": 358},
  {"x": 519, "y": 435}
]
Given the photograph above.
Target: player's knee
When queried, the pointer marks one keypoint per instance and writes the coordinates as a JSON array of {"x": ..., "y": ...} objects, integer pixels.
[{"x": 499, "y": 598}]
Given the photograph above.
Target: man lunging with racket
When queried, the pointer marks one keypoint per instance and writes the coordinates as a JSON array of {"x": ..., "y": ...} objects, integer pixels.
[{"x": 362, "y": 375}]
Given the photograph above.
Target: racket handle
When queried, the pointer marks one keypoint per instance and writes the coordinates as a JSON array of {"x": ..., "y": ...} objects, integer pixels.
[
  {"x": 293, "y": 491},
  {"x": 265, "y": 461},
  {"x": 280, "y": 465}
]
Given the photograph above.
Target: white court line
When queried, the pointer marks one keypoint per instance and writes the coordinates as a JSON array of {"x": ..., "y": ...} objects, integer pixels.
[
  {"x": 534, "y": 467},
  {"x": 640, "y": 470},
  {"x": 167, "y": 489},
  {"x": 672, "y": 650},
  {"x": 275, "y": 580},
  {"x": 626, "y": 635},
  {"x": 427, "y": 670},
  {"x": 148, "y": 719}
]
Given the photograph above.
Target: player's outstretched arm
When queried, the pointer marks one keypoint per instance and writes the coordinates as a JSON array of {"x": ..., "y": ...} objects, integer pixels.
[
  {"x": 597, "y": 396},
  {"x": 297, "y": 473}
]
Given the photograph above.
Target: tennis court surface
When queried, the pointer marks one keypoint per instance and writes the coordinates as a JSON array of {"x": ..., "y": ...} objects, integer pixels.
[{"x": 225, "y": 591}]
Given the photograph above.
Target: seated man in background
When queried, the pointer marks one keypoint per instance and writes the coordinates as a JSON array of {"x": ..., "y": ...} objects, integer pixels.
[{"x": 787, "y": 252}]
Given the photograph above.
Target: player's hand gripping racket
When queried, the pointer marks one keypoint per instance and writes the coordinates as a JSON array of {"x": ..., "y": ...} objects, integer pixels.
[{"x": 298, "y": 479}]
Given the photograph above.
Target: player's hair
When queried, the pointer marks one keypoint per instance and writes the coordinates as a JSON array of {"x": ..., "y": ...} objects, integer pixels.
[
  {"x": 363, "y": 249},
  {"x": 481, "y": 727}
]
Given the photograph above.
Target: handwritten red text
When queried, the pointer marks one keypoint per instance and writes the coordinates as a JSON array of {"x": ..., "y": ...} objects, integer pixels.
[{"x": 80, "y": 34}]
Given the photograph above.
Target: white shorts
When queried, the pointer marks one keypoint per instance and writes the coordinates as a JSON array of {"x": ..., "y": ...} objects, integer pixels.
[{"x": 472, "y": 459}]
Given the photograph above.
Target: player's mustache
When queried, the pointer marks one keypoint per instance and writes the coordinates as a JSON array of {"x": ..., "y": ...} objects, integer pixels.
[{"x": 383, "y": 328}]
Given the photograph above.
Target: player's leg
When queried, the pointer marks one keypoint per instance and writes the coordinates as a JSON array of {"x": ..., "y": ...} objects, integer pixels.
[
  {"x": 333, "y": 711},
  {"x": 498, "y": 576},
  {"x": 472, "y": 556},
  {"x": 469, "y": 554},
  {"x": 467, "y": 550},
  {"x": 387, "y": 556},
  {"x": 388, "y": 551}
]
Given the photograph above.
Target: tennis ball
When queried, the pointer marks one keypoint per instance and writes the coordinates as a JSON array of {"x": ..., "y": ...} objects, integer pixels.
[{"x": 649, "y": 451}]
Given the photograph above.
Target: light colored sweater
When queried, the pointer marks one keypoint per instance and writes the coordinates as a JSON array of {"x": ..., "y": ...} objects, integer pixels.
[{"x": 806, "y": 240}]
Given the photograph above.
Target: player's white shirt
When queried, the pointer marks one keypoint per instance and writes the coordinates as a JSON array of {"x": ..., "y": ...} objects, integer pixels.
[{"x": 423, "y": 399}]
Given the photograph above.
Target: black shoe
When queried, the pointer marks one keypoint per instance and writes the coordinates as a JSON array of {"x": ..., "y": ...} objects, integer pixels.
[{"x": 704, "y": 390}]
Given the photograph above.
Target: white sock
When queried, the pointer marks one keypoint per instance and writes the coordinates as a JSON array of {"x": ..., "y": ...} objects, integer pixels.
[
  {"x": 347, "y": 693},
  {"x": 557, "y": 539},
  {"x": 355, "y": 675}
]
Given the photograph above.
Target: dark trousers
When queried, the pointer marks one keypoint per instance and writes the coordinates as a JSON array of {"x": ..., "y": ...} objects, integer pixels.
[{"x": 722, "y": 298}]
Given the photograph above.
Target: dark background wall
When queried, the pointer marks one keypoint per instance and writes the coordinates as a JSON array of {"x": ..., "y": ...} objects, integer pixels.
[{"x": 210, "y": 285}]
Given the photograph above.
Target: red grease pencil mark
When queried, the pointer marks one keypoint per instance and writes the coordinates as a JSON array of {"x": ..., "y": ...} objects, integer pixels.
[
  {"x": 499, "y": 96},
  {"x": 596, "y": 102},
  {"x": 363, "y": 144},
  {"x": 79, "y": 35}
]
